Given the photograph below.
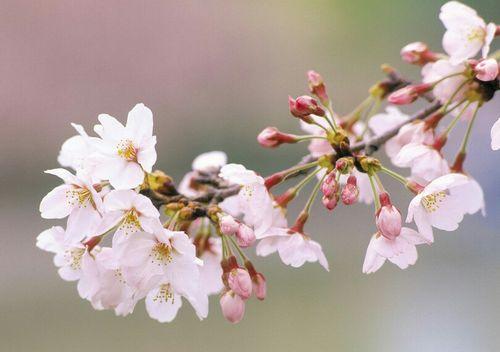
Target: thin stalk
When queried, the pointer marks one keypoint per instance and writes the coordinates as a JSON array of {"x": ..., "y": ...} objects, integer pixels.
[
  {"x": 306, "y": 180},
  {"x": 313, "y": 195},
  {"x": 375, "y": 193},
  {"x": 465, "y": 140},
  {"x": 455, "y": 120},
  {"x": 244, "y": 258},
  {"x": 395, "y": 175}
]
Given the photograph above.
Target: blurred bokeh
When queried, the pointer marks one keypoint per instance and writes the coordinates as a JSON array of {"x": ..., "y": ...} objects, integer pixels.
[{"x": 215, "y": 73}]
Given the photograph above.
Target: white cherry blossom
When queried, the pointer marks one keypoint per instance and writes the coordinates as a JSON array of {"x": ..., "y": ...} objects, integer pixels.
[
  {"x": 126, "y": 151},
  {"x": 294, "y": 248},
  {"x": 76, "y": 150},
  {"x": 495, "y": 135},
  {"x": 401, "y": 250},
  {"x": 444, "y": 202},
  {"x": 130, "y": 212},
  {"x": 466, "y": 32},
  {"x": 76, "y": 198},
  {"x": 68, "y": 257},
  {"x": 426, "y": 162},
  {"x": 165, "y": 267}
]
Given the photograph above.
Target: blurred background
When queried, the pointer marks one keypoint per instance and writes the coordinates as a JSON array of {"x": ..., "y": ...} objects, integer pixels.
[{"x": 215, "y": 73}]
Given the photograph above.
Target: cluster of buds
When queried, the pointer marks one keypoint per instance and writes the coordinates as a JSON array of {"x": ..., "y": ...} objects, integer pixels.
[
  {"x": 239, "y": 283},
  {"x": 229, "y": 226}
]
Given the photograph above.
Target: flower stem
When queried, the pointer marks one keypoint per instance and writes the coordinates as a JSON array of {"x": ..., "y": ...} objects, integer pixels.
[
  {"x": 455, "y": 120},
  {"x": 375, "y": 193},
  {"x": 463, "y": 146},
  {"x": 395, "y": 175},
  {"x": 244, "y": 258},
  {"x": 310, "y": 201}
]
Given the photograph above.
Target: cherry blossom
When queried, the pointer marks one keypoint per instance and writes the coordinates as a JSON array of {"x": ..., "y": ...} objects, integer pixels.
[
  {"x": 206, "y": 162},
  {"x": 76, "y": 198},
  {"x": 444, "y": 202},
  {"x": 487, "y": 70},
  {"x": 425, "y": 161},
  {"x": 130, "y": 212},
  {"x": 126, "y": 151},
  {"x": 68, "y": 257},
  {"x": 166, "y": 267},
  {"x": 495, "y": 135},
  {"x": 466, "y": 32},
  {"x": 76, "y": 150},
  {"x": 401, "y": 250},
  {"x": 294, "y": 248}
]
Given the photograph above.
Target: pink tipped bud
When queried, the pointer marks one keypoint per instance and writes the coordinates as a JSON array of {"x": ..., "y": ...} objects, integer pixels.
[
  {"x": 388, "y": 218},
  {"x": 330, "y": 202},
  {"x": 486, "y": 70},
  {"x": 350, "y": 192},
  {"x": 228, "y": 226},
  {"x": 259, "y": 286},
  {"x": 418, "y": 53},
  {"x": 232, "y": 306},
  {"x": 317, "y": 86},
  {"x": 304, "y": 106},
  {"x": 408, "y": 94},
  {"x": 240, "y": 282},
  {"x": 245, "y": 236},
  {"x": 330, "y": 185},
  {"x": 271, "y": 137}
]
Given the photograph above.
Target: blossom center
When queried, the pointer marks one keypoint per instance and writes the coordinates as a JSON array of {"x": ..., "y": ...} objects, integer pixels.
[
  {"x": 432, "y": 201},
  {"x": 164, "y": 294},
  {"x": 476, "y": 34},
  {"x": 127, "y": 150},
  {"x": 74, "y": 257},
  {"x": 130, "y": 222},
  {"x": 78, "y": 197},
  {"x": 161, "y": 254}
]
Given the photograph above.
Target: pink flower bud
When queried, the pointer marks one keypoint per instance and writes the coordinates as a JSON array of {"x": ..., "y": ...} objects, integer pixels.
[
  {"x": 240, "y": 282},
  {"x": 232, "y": 306},
  {"x": 330, "y": 202},
  {"x": 271, "y": 137},
  {"x": 304, "y": 106},
  {"x": 418, "y": 53},
  {"x": 245, "y": 236},
  {"x": 259, "y": 286},
  {"x": 487, "y": 70},
  {"x": 388, "y": 218},
  {"x": 350, "y": 192},
  {"x": 317, "y": 86},
  {"x": 228, "y": 226},
  {"x": 330, "y": 185},
  {"x": 408, "y": 94}
]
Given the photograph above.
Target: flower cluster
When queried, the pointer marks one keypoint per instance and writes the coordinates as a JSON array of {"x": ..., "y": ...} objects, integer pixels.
[{"x": 132, "y": 234}]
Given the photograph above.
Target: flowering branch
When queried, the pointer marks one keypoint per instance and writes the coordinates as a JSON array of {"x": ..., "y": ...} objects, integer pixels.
[{"x": 172, "y": 242}]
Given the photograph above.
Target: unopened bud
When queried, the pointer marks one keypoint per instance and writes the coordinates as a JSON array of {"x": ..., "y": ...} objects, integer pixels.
[
  {"x": 259, "y": 286},
  {"x": 330, "y": 185},
  {"x": 369, "y": 164},
  {"x": 245, "y": 236},
  {"x": 232, "y": 306},
  {"x": 317, "y": 86},
  {"x": 330, "y": 203},
  {"x": 345, "y": 165},
  {"x": 408, "y": 94},
  {"x": 418, "y": 53},
  {"x": 388, "y": 218},
  {"x": 271, "y": 137},
  {"x": 350, "y": 192},
  {"x": 486, "y": 70},
  {"x": 240, "y": 282},
  {"x": 228, "y": 226},
  {"x": 304, "y": 106}
]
